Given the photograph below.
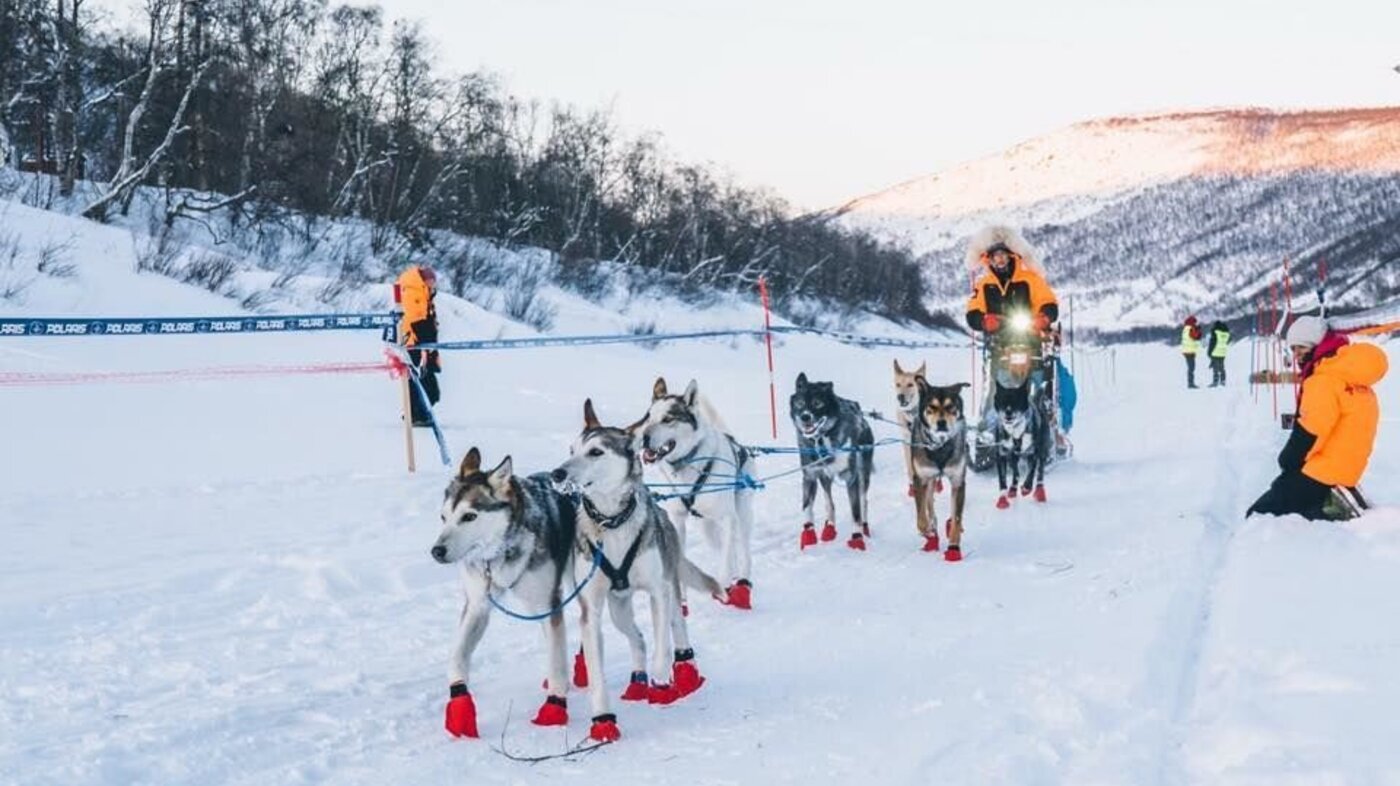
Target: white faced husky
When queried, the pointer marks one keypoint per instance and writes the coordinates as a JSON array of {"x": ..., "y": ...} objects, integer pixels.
[
  {"x": 511, "y": 535},
  {"x": 685, "y": 438},
  {"x": 640, "y": 551}
]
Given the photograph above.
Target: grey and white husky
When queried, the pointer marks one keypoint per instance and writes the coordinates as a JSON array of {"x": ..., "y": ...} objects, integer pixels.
[
  {"x": 687, "y": 440},
  {"x": 835, "y": 441},
  {"x": 509, "y": 535},
  {"x": 639, "y": 550}
]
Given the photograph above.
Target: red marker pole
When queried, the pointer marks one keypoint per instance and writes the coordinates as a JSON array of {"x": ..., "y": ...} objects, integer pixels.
[{"x": 768, "y": 339}]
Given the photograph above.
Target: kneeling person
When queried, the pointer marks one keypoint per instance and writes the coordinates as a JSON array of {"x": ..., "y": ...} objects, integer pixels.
[{"x": 1335, "y": 430}]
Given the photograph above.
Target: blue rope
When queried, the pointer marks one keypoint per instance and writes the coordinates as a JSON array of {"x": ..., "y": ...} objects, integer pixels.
[
  {"x": 422, "y": 394},
  {"x": 597, "y": 560}
]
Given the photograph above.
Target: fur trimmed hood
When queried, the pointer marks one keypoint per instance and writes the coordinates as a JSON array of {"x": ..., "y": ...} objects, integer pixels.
[{"x": 1007, "y": 236}]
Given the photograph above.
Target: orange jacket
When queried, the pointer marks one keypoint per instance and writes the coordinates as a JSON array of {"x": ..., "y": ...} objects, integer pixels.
[
  {"x": 1340, "y": 409},
  {"x": 1025, "y": 288},
  {"x": 416, "y": 298}
]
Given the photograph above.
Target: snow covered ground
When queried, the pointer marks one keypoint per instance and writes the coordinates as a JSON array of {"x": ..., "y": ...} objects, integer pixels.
[{"x": 229, "y": 582}]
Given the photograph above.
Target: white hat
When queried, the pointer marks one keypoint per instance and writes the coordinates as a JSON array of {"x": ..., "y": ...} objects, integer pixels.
[{"x": 1306, "y": 331}]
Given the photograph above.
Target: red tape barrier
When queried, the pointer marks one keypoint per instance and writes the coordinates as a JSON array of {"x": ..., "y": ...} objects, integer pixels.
[{"x": 27, "y": 379}]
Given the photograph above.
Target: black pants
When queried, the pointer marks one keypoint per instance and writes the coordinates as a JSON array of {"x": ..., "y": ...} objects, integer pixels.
[
  {"x": 1190, "y": 369},
  {"x": 427, "y": 374},
  {"x": 1217, "y": 371},
  {"x": 1293, "y": 492}
]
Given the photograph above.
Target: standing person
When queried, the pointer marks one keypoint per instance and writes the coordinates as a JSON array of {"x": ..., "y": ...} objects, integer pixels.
[
  {"x": 1218, "y": 347},
  {"x": 417, "y": 287},
  {"x": 1190, "y": 346},
  {"x": 1335, "y": 430}
]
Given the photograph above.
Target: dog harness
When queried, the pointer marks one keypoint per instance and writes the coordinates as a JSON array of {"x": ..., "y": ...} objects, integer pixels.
[
  {"x": 741, "y": 457},
  {"x": 617, "y": 574}
]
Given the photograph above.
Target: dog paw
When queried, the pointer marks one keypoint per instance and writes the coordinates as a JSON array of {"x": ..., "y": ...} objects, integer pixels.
[
  {"x": 828, "y": 532},
  {"x": 913, "y": 490},
  {"x": 1040, "y": 494},
  {"x": 740, "y": 595},
  {"x": 1012, "y": 492},
  {"x": 554, "y": 712},
  {"x": 636, "y": 688},
  {"x": 953, "y": 554},
  {"x": 461, "y": 714},
  {"x": 605, "y": 729},
  {"x": 662, "y": 694},
  {"x": 809, "y": 536},
  {"x": 857, "y": 542},
  {"x": 1003, "y": 502},
  {"x": 580, "y": 670},
  {"x": 686, "y": 679},
  {"x": 931, "y": 542}
]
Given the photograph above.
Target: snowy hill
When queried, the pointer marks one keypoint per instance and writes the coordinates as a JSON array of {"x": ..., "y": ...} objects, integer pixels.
[
  {"x": 228, "y": 582},
  {"x": 1145, "y": 219}
]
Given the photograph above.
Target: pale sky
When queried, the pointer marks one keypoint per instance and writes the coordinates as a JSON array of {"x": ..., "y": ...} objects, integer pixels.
[{"x": 826, "y": 100}]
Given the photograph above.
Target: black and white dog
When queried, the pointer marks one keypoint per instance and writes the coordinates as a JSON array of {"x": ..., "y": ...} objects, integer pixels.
[
  {"x": 1023, "y": 442},
  {"x": 835, "y": 441},
  {"x": 638, "y": 549},
  {"x": 514, "y": 535},
  {"x": 938, "y": 452},
  {"x": 687, "y": 440}
]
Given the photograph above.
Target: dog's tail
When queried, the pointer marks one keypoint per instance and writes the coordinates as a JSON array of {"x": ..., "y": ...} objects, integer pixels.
[{"x": 695, "y": 578}]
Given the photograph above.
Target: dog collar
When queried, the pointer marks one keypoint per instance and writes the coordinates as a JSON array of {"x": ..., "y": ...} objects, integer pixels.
[{"x": 609, "y": 522}]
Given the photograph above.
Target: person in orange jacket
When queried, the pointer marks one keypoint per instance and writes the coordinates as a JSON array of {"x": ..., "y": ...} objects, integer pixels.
[
  {"x": 1011, "y": 282},
  {"x": 417, "y": 287},
  {"x": 1335, "y": 430}
]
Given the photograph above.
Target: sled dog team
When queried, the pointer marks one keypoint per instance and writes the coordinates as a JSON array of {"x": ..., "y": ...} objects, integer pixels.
[{"x": 592, "y": 530}]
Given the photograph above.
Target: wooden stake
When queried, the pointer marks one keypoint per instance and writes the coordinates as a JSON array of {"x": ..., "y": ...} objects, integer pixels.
[{"x": 404, "y": 385}]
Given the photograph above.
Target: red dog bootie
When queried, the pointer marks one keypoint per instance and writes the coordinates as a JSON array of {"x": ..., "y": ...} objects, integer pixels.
[
  {"x": 1012, "y": 492},
  {"x": 953, "y": 554},
  {"x": 931, "y": 542},
  {"x": 1003, "y": 503},
  {"x": 828, "y": 532},
  {"x": 636, "y": 687},
  {"x": 865, "y": 528},
  {"x": 461, "y": 712},
  {"x": 913, "y": 491},
  {"x": 809, "y": 536},
  {"x": 554, "y": 712},
  {"x": 740, "y": 595},
  {"x": 580, "y": 670},
  {"x": 1040, "y": 493},
  {"x": 856, "y": 542},
  {"x": 684, "y": 675},
  {"x": 662, "y": 694},
  {"x": 605, "y": 728}
]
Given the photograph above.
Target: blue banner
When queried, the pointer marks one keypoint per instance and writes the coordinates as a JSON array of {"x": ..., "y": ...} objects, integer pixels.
[{"x": 174, "y": 326}]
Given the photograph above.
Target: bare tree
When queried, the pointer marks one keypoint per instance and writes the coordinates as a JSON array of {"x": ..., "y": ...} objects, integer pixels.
[{"x": 130, "y": 173}]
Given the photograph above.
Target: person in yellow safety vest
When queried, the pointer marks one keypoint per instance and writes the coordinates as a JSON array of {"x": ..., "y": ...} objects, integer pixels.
[
  {"x": 415, "y": 290},
  {"x": 1218, "y": 347},
  {"x": 1190, "y": 345}
]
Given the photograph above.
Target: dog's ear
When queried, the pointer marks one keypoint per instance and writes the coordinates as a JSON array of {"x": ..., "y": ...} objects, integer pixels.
[
  {"x": 590, "y": 418},
  {"x": 898, "y": 372},
  {"x": 658, "y": 390},
  {"x": 802, "y": 380},
  {"x": 500, "y": 476},
  {"x": 470, "y": 463},
  {"x": 960, "y": 386},
  {"x": 922, "y": 369},
  {"x": 691, "y": 391}
]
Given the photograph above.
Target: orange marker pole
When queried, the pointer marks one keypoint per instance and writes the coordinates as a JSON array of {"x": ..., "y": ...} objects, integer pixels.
[{"x": 768, "y": 339}]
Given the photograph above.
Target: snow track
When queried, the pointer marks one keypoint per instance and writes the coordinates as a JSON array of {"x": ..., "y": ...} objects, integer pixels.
[{"x": 229, "y": 583}]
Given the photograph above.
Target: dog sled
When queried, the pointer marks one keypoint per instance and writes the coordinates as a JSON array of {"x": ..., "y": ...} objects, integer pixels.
[{"x": 1024, "y": 364}]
